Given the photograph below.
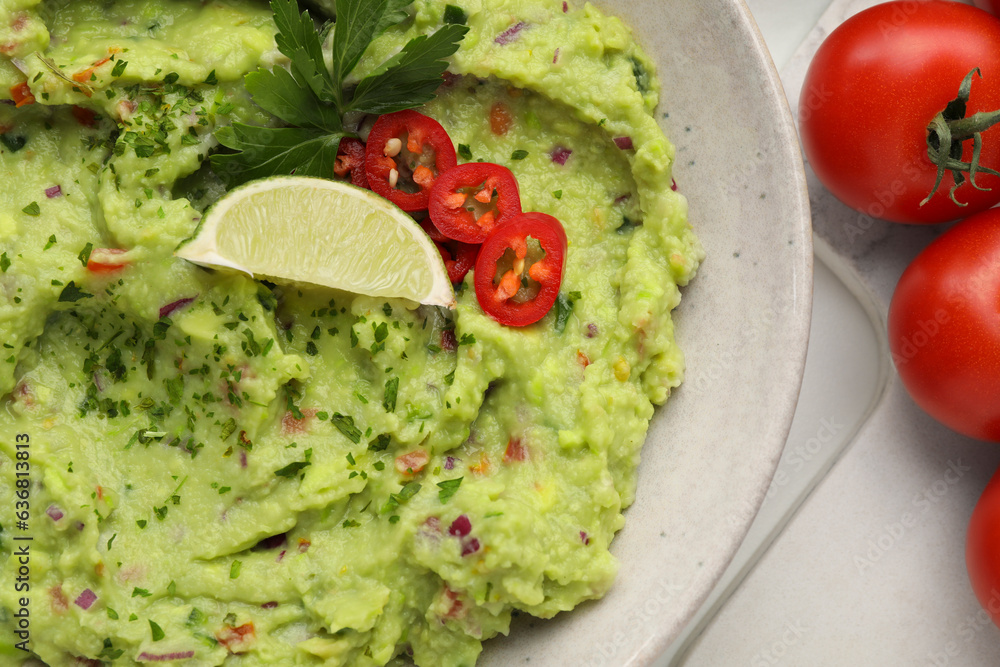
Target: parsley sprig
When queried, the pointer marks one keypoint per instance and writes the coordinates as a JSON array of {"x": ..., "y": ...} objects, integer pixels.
[{"x": 312, "y": 98}]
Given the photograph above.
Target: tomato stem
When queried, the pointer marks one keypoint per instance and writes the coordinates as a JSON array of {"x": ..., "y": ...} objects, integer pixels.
[{"x": 945, "y": 135}]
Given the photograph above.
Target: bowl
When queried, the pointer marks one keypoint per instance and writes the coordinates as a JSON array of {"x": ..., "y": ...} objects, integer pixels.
[{"x": 743, "y": 324}]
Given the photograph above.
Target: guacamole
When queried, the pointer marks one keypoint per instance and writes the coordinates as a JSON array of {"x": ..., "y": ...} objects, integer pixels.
[{"x": 199, "y": 468}]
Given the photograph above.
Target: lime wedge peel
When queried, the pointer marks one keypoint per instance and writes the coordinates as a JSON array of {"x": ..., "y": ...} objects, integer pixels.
[{"x": 327, "y": 233}]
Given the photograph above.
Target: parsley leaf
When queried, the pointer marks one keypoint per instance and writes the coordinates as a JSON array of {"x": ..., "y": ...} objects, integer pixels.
[
  {"x": 312, "y": 99},
  {"x": 409, "y": 78},
  {"x": 281, "y": 95},
  {"x": 265, "y": 151},
  {"x": 358, "y": 23}
]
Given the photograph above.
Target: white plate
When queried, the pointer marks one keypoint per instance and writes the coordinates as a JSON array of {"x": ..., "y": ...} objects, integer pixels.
[{"x": 743, "y": 324}]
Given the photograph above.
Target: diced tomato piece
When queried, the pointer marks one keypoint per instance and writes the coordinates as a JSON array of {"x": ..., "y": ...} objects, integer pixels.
[
  {"x": 500, "y": 119},
  {"x": 84, "y": 76},
  {"x": 413, "y": 462},
  {"x": 515, "y": 451},
  {"x": 483, "y": 467},
  {"x": 238, "y": 639},
  {"x": 84, "y": 116},
  {"x": 21, "y": 94},
  {"x": 290, "y": 424},
  {"x": 106, "y": 260}
]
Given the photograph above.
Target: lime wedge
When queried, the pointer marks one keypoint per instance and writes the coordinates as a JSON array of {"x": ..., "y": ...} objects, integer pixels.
[{"x": 328, "y": 233}]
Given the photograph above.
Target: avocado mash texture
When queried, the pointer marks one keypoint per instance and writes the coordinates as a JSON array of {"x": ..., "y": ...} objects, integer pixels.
[{"x": 214, "y": 470}]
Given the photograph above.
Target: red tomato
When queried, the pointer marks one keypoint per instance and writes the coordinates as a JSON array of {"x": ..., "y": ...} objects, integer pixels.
[
  {"x": 520, "y": 290},
  {"x": 989, "y": 5},
  {"x": 350, "y": 162},
  {"x": 982, "y": 549},
  {"x": 873, "y": 88},
  {"x": 470, "y": 200},
  {"x": 106, "y": 260},
  {"x": 405, "y": 154},
  {"x": 944, "y": 327}
]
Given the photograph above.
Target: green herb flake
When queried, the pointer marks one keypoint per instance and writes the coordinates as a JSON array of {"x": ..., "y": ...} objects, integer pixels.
[
  {"x": 345, "y": 425},
  {"x": 71, "y": 293},
  {"x": 391, "y": 391},
  {"x": 292, "y": 469},
  {"x": 156, "y": 631},
  {"x": 455, "y": 15},
  {"x": 564, "y": 308},
  {"x": 234, "y": 569},
  {"x": 4, "y": 263},
  {"x": 379, "y": 444},
  {"x": 51, "y": 242},
  {"x": 448, "y": 488},
  {"x": 519, "y": 154},
  {"x": 140, "y": 592},
  {"x": 84, "y": 255},
  {"x": 119, "y": 68},
  {"x": 32, "y": 209}
]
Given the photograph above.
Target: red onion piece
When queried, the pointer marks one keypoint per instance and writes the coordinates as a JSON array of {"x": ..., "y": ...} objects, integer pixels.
[
  {"x": 85, "y": 599},
  {"x": 460, "y": 527},
  {"x": 53, "y": 192},
  {"x": 470, "y": 547},
  {"x": 269, "y": 605},
  {"x": 584, "y": 537},
  {"x": 54, "y": 513},
  {"x": 555, "y": 56},
  {"x": 448, "y": 341},
  {"x": 624, "y": 143},
  {"x": 176, "y": 305},
  {"x": 510, "y": 34},
  {"x": 449, "y": 463},
  {"x": 560, "y": 154},
  {"x": 165, "y": 657},
  {"x": 565, "y": 6},
  {"x": 673, "y": 185},
  {"x": 243, "y": 460}
]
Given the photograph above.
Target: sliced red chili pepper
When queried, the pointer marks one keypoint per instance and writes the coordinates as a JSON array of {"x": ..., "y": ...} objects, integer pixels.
[
  {"x": 459, "y": 258},
  {"x": 433, "y": 231},
  {"x": 351, "y": 162},
  {"x": 105, "y": 260},
  {"x": 510, "y": 287},
  {"x": 469, "y": 201},
  {"x": 406, "y": 152},
  {"x": 21, "y": 94}
]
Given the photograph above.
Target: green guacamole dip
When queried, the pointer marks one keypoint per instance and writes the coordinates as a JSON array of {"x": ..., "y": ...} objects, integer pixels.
[{"x": 213, "y": 470}]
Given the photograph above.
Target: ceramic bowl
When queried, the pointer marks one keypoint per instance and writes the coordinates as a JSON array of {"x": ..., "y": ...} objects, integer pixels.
[{"x": 743, "y": 324}]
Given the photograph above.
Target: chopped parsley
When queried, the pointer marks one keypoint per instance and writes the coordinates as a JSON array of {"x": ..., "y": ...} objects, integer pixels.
[{"x": 448, "y": 488}]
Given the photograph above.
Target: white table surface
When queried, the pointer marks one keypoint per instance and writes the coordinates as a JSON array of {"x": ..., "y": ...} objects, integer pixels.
[{"x": 857, "y": 556}]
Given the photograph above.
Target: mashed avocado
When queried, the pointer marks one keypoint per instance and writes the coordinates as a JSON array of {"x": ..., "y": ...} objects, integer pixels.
[{"x": 214, "y": 470}]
